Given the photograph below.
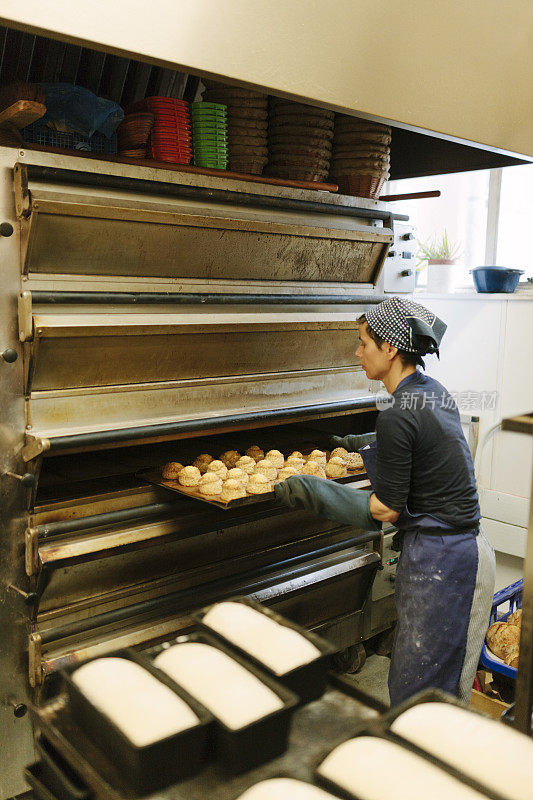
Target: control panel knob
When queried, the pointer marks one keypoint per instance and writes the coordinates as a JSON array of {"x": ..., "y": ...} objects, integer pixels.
[
  {"x": 19, "y": 709},
  {"x": 407, "y": 237},
  {"x": 406, "y": 273},
  {"x": 391, "y": 254},
  {"x": 10, "y": 355},
  {"x": 27, "y": 479}
]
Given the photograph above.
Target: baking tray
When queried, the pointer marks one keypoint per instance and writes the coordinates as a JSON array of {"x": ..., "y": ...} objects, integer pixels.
[
  {"x": 260, "y": 741},
  {"x": 308, "y": 681},
  {"x": 33, "y": 775},
  {"x": 58, "y": 775},
  {"x": 154, "y": 476},
  {"x": 153, "y": 766}
]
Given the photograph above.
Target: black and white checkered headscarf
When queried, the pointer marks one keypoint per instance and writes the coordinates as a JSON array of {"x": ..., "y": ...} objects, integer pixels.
[{"x": 406, "y": 325}]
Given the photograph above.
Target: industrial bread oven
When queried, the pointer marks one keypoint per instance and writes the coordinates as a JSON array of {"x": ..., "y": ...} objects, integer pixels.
[{"x": 147, "y": 316}]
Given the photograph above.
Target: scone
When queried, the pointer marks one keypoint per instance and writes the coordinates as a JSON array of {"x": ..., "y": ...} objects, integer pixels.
[
  {"x": 335, "y": 468},
  {"x": 266, "y": 468},
  {"x": 297, "y": 455},
  {"x": 219, "y": 469},
  {"x": 202, "y": 462},
  {"x": 286, "y": 472},
  {"x": 339, "y": 452},
  {"x": 230, "y": 458},
  {"x": 319, "y": 456},
  {"x": 232, "y": 489},
  {"x": 255, "y": 452},
  {"x": 312, "y": 468},
  {"x": 238, "y": 475},
  {"x": 171, "y": 470},
  {"x": 259, "y": 484},
  {"x": 294, "y": 461},
  {"x": 276, "y": 458},
  {"x": 247, "y": 464},
  {"x": 189, "y": 476},
  {"x": 210, "y": 484},
  {"x": 353, "y": 461}
]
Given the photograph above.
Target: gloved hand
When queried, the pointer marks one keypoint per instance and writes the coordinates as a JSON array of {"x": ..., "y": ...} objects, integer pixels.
[
  {"x": 327, "y": 499},
  {"x": 352, "y": 442}
]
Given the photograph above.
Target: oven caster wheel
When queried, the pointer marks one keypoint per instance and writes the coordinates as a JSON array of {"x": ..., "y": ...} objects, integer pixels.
[
  {"x": 351, "y": 659},
  {"x": 385, "y": 642}
]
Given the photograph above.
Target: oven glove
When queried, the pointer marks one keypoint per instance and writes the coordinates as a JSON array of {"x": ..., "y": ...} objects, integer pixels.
[
  {"x": 352, "y": 442},
  {"x": 327, "y": 499}
]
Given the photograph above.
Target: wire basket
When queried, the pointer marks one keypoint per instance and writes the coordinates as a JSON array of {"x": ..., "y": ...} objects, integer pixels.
[{"x": 39, "y": 133}]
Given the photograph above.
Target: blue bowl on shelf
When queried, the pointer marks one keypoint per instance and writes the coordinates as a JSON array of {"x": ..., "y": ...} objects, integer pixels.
[{"x": 493, "y": 280}]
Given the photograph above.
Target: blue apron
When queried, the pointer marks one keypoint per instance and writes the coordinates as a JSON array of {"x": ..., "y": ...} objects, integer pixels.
[{"x": 434, "y": 590}]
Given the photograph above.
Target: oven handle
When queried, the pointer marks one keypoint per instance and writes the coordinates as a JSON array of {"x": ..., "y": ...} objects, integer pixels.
[
  {"x": 106, "y": 437},
  {"x": 41, "y": 297}
]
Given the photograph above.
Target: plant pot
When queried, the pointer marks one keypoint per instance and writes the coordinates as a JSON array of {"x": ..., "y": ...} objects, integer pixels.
[{"x": 440, "y": 276}]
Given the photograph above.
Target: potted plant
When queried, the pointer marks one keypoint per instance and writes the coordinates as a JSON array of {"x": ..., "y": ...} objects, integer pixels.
[{"x": 439, "y": 255}]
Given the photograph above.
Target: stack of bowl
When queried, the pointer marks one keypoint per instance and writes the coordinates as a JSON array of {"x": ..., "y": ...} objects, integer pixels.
[
  {"x": 210, "y": 135},
  {"x": 299, "y": 140},
  {"x": 170, "y": 137},
  {"x": 247, "y": 125},
  {"x": 133, "y": 133},
  {"x": 360, "y": 161}
]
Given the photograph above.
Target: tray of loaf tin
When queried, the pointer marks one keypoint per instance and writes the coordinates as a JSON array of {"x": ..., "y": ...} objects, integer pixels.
[
  {"x": 155, "y": 477},
  {"x": 244, "y": 748},
  {"x": 33, "y": 775},
  {"x": 383, "y": 730},
  {"x": 308, "y": 680},
  {"x": 150, "y": 766}
]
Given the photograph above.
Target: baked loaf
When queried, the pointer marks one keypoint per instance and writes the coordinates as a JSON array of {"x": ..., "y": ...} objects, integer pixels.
[
  {"x": 286, "y": 472},
  {"x": 202, "y": 462},
  {"x": 189, "y": 476},
  {"x": 339, "y": 452},
  {"x": 357, "y": 766},
  {"x": 353, "y": 461},
  {"x": 279, "y": 647},
  {"x": 294, "y": 461},
  {"x": 230, "y": 458},
  {"x": 247, "y": 464},
  {"x": 313, "y": 468},
  {"x": 285, "y": 789},
  {"x": 143, "y": 708},
  {"x": 515, "y": 618},
  {"x": 259, "y": 484},
  {"x": 335, "y": 468},
  {"x": 267, "y": 468},
  {"x": 503, "y": 639},
  {"x": 237, "y": 474},
  {"x": 210, "y": 484},
  {"x": 231, "y": 490},
  {"x": 219, "y": 468},
  {"x": 255, "y": 452},
  {"x": 319, "y": 456},
  {"x": 227, "y": 689},
  {"x": 469, "y": 742},
  {"x": 276, "y": 458},
  {"x": 172, "y": 470},
  {"x": 296, "y": 454}
]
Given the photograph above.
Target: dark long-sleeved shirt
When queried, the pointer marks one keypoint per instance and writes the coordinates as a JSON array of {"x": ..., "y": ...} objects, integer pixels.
[{"x": 423, "y": 460}]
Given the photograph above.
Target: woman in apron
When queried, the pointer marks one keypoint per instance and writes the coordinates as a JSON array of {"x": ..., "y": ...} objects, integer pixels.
[{"x": 423, "y": 482}]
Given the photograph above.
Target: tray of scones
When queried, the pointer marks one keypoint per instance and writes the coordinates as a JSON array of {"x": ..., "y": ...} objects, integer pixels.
[{"x": 235, "y": 479}]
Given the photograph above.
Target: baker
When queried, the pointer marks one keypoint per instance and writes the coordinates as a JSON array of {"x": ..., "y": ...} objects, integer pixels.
[{"x": 423, "y": 482}]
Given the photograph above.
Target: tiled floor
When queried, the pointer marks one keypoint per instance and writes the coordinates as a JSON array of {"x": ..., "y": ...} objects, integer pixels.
[{"x": 372, "y": 678}]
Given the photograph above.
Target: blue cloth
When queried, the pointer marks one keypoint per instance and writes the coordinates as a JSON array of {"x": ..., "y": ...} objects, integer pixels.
[
  {"x": 77, "y": 109},
  {"x": 434, "y": 591}
]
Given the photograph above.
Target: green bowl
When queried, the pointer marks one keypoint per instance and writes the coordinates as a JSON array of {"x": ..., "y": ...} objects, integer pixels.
[
  {"x": 209, "y": 162},
  {"x": 210, "y": 148},
  {"x": 201, "y": 106}
]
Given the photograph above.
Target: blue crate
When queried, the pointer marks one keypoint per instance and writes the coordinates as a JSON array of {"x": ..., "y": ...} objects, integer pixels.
[
  {"x": 39, "y": 133},
  {"x": 513, "y": 594}
]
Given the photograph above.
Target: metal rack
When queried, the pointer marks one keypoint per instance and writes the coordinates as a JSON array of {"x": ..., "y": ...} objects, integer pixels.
[{"x": 524, "y": 681}]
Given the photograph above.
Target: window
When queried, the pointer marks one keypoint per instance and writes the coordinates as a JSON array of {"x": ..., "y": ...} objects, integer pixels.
[{"x": 468, "y": 200}]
